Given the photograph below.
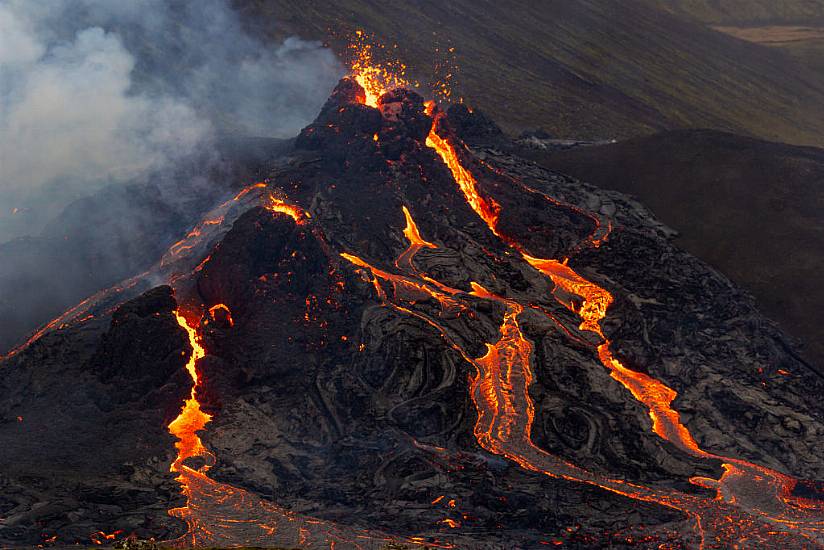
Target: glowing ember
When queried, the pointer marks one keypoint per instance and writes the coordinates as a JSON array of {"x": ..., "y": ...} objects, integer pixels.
[
  {"x": 223, "y": 311},
  {"x": 375, "y": 77}
]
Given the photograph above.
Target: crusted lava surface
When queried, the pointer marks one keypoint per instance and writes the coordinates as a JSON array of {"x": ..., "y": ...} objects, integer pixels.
[{"x": 340, "y": 384}]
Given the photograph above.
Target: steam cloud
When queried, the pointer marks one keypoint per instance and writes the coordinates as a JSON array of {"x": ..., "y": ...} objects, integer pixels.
[{"x": 95, "y": 91}]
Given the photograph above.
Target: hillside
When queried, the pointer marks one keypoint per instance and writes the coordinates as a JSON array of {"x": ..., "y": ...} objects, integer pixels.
[
  {"x": 751, "y": 208},
  {"x": 746, "y": 11},
  {"x": 587, "y": 69},
  {"x": 794, "y": 26}
]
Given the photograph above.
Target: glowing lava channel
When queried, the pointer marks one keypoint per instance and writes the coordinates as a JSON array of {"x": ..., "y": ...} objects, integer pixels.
[
  {"x": 500, "y": 391},
  {"x": 758, "y": 490},
  {"x": 514, "y": 351},
  {"x": 488, "y": 210},
  {"x": 190, "y": 421},
  {"x": 299, "y": 215}
]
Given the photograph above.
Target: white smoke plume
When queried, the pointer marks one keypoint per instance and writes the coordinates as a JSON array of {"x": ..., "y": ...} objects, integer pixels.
[{"x": 100, "y": 91}]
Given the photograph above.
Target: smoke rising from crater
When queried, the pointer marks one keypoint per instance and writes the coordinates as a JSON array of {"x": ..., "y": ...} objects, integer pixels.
[
  {"x": 94, "y": 92},
  {"x": 98, "y": 95}
]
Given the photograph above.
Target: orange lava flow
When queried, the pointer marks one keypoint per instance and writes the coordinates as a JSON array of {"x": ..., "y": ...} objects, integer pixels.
[
  {"x": 246, "y": 190},
  {"x": 193, "y": 237},
  {"x": 405, "y": 261},
  {"x": 225, "y": 309},
  {"x": 495, "y": 376},
  {"x": 657, "y": 397},
  {"x": 500, "y": 392},
  {"x": 412, "y": 233},
  {"x": 218, "y": 514},
  {"x": 746, "y": 508},
  {"x": 295, "y": 212},
  {"x": 595, "y": 302},
  {"x": 191, "y": 419},
  {"x": 487, "y": 209},
  {"x": 416, "y": 242},
  {"x": 183, "y": 244}
]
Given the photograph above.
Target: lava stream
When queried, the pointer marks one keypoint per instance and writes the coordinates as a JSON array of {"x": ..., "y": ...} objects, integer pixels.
[
  {"x": 299, "y": 215},
  {"x": 416, "y": 243},
  {"x": 743, "y": 483},
  {"x": 191, "y": 419},
  {"x": 500, "y": 391},
  {"x": 487, "y": 209}
]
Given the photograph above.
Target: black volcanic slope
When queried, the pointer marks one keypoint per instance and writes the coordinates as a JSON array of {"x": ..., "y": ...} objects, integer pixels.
[
  {"x": 751, "y": 208},
  {"x": 384, "y": 378}
]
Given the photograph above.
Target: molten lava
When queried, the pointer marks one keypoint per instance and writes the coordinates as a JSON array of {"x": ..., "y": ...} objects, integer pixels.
[
  {"x": 374, "y": 76},
  {"x": 191, "y": 419},
  {"x": 752, "y": 504},
  {"x": 487, "y": 209},
  {"x": 222, "y": 310},
  {"x": 416, "y": 243},
  {"x": 296, "y": 213},
  {"x": 218, "y": 514}
]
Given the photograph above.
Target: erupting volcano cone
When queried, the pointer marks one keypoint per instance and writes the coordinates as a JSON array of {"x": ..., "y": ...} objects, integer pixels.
[{"x": 407, "y": 336}]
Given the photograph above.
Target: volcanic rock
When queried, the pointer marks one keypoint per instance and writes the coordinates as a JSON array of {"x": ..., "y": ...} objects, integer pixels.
[{"x": 143, "y": 354}]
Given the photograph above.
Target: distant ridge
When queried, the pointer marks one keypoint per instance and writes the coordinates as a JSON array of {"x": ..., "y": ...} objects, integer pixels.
[{"x": 587, "y": 69}]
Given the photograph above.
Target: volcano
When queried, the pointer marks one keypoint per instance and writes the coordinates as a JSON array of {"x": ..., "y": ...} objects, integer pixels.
[{"x": 404, "y": 336}]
